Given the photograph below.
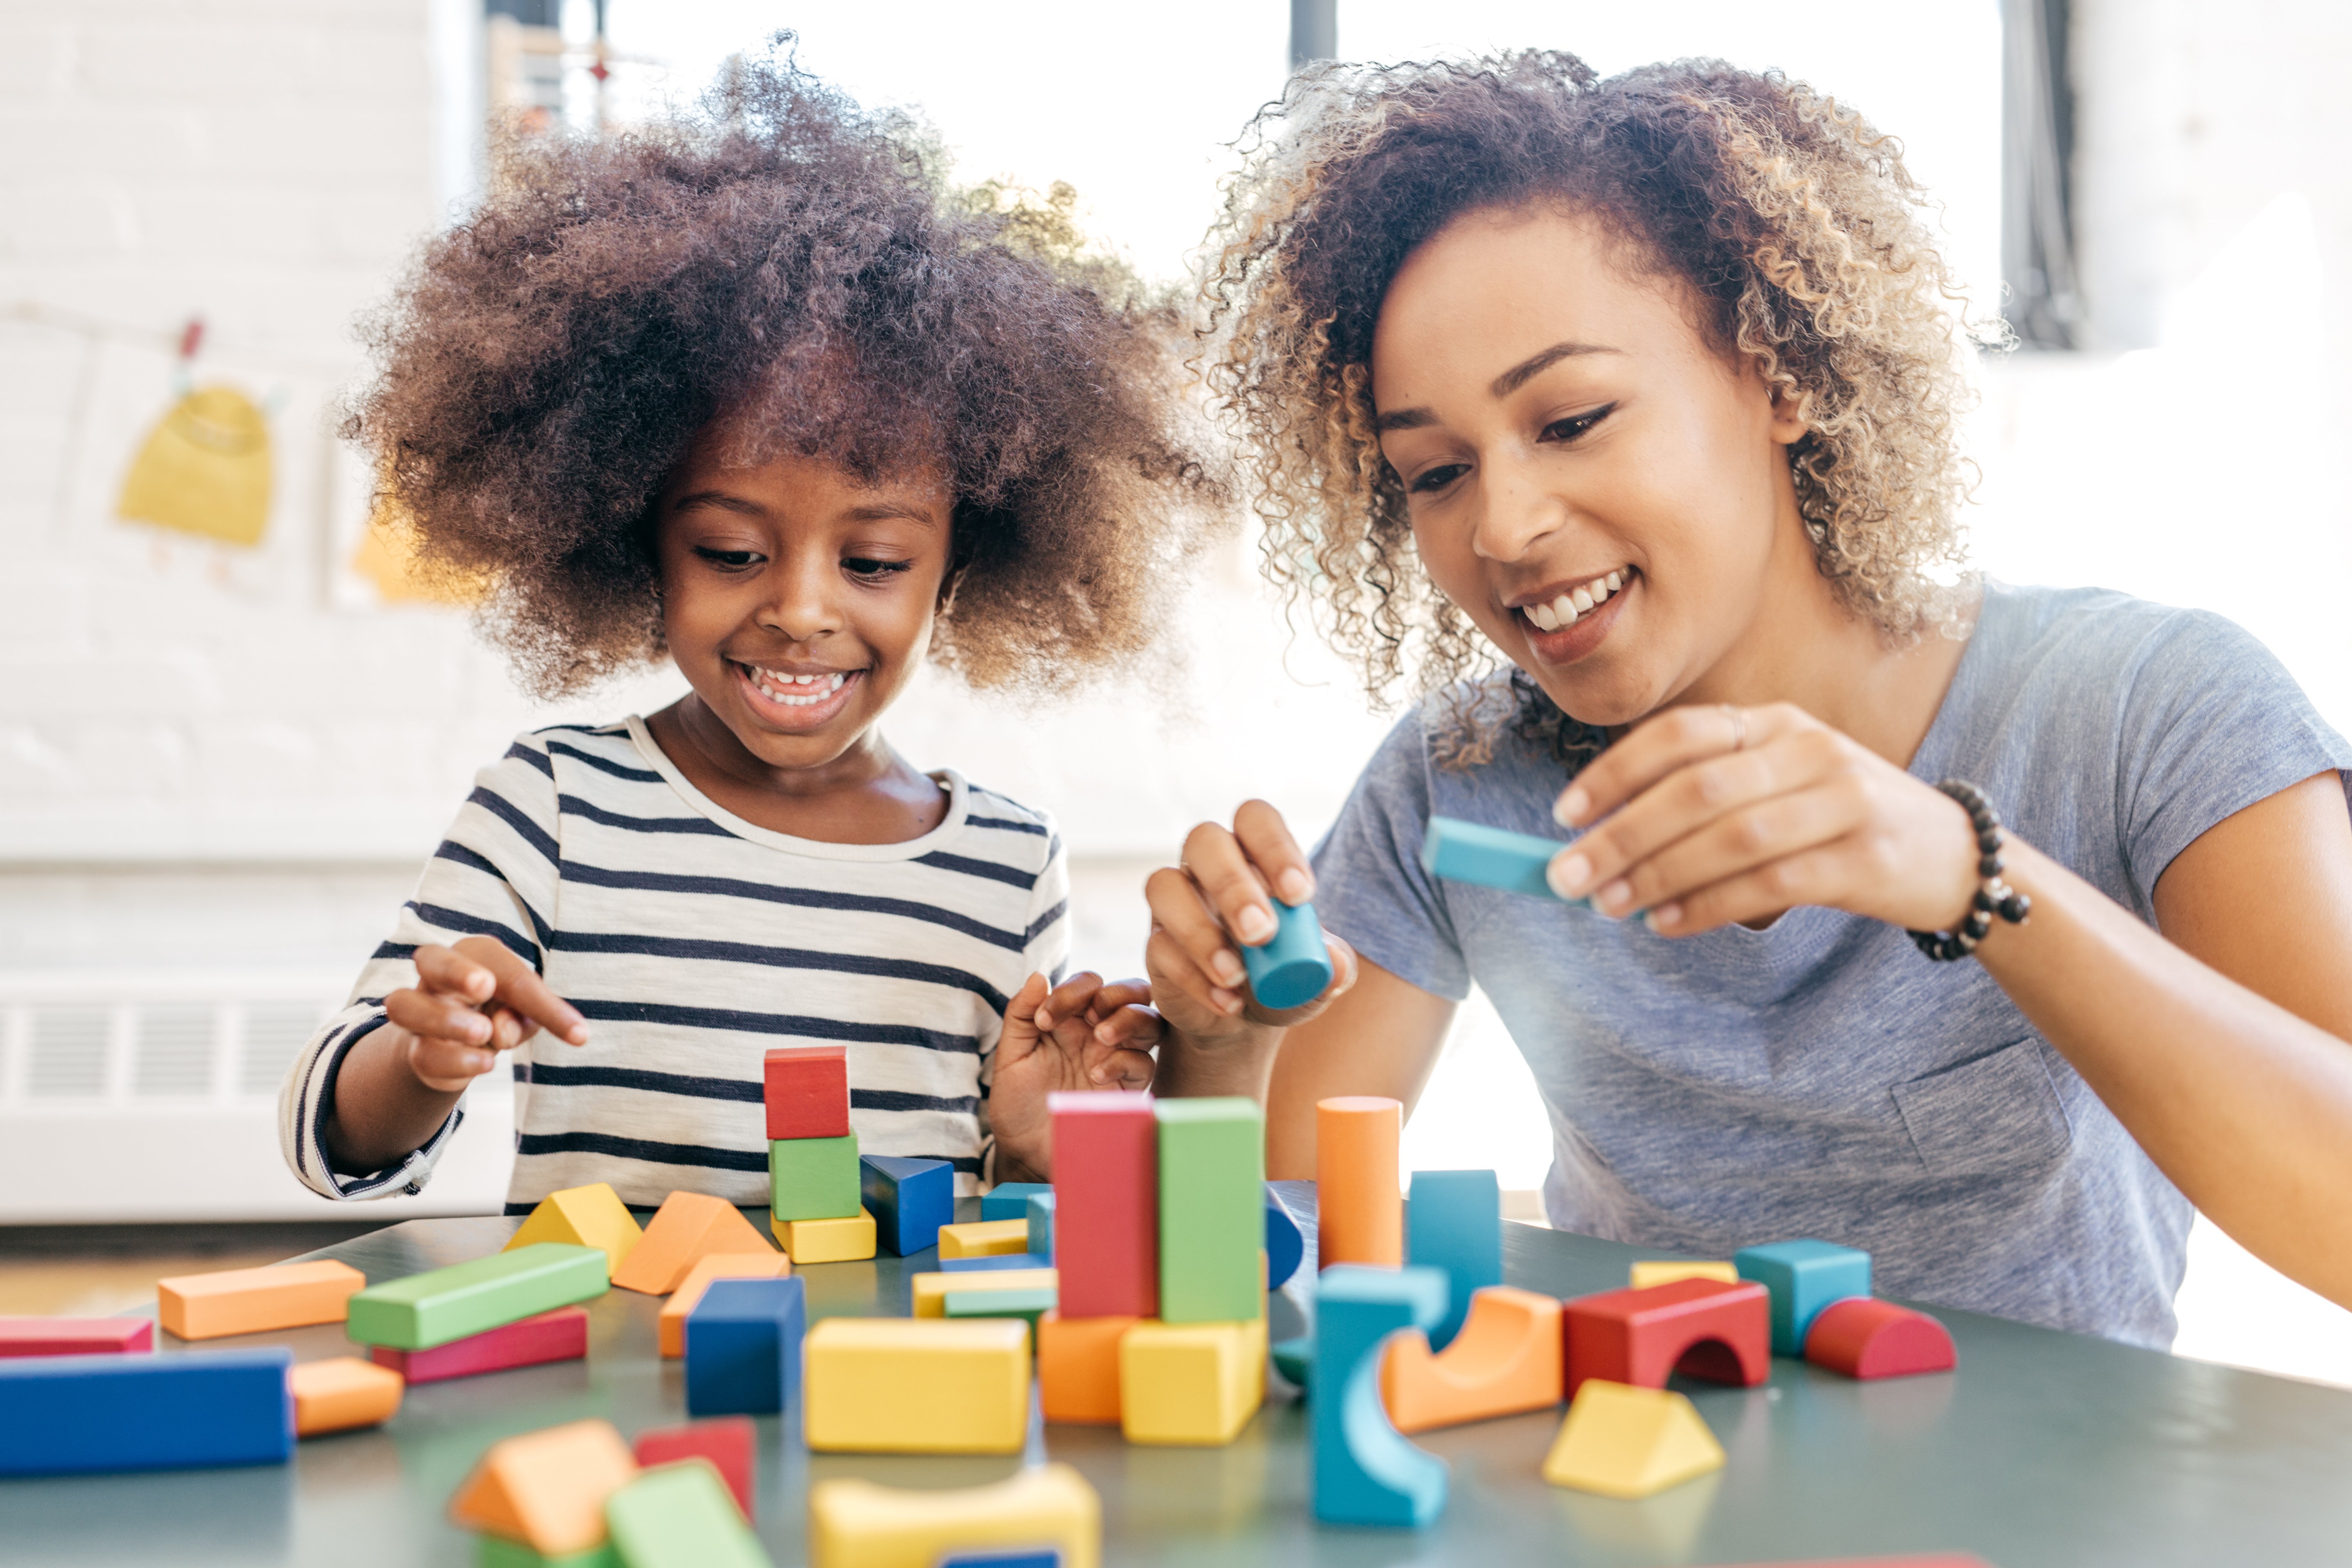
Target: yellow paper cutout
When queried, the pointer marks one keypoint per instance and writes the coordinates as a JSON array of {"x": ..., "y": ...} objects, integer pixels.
[
  {"x": 203, "y": 469},
  {"x": 386, "y": 557}
]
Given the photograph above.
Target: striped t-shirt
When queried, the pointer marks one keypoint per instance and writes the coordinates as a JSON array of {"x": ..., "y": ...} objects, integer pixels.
[{"x": 693, "y": 941}]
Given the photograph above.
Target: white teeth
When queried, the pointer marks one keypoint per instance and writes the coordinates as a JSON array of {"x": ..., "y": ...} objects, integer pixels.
[
  {"x": 1583, "y": 601},
  {"x": 1616, "y": 580},
  {"x": 1565, "y": 608},
  {"x": 1544, "y": 619},
  {"x": 812, "y": 688}
]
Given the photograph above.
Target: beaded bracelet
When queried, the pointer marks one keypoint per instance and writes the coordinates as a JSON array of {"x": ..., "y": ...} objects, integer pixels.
[{"x": 1994, "y": 897}]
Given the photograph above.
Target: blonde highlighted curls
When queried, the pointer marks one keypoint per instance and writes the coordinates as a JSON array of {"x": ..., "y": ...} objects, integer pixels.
[{"x": 1791, "y": 224}]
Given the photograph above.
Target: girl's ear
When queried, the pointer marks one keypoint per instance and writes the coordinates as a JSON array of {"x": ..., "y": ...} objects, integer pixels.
[{"x": 947, "y": 586}]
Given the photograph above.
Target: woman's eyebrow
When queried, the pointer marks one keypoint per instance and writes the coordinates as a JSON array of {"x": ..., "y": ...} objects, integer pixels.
[{"x": 1535, "y": 365}]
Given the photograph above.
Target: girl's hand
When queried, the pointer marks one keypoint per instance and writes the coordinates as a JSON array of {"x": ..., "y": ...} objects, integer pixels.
[
  {"x": 472, "y": 1000},
  {"x": 1084, "y": 1034},
  {"x": 1221, "y": 887},
  {"x": 1725, "y": 813}
]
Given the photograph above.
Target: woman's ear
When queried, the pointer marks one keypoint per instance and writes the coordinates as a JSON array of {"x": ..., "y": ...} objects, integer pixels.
[{"x": 1792, "y": 414}]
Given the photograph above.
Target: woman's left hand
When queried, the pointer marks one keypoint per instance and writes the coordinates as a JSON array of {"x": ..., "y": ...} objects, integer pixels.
[{"x": 1702, "y": 816}]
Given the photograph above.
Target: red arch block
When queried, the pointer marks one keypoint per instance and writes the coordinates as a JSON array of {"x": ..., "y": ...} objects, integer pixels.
[
  {"x": 1705, "y": 1328},
  {"x": 1864, "y": 1337}
]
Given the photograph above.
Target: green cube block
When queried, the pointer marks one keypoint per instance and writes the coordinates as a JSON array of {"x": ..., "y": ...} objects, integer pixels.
[
  {"x": 498, "y": 1552},
  {"x": 1026, "y": 1305},
  {"x": 813, "y": 1178},
  {"x": 444, "y": 1304},
  {"x": 1212, "y": 1210},
  {"x": 680, "y": 1516}
]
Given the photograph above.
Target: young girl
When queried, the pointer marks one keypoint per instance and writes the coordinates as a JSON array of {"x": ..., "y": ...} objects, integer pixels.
[
  {"x": 1648, "y": 387},
  {"x": 755, "y": 394}
]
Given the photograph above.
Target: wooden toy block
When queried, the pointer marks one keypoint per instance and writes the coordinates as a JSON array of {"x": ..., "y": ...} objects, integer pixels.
[
  {"x": 547, "y": 1489},
  {"x": 910, "y": 1200},
  {"x": 1191, "y": 1384},
  {"x": 1359, "y": 1210},
  {"x": 826, "y": 1240},
  {"x": 1507, "y": 1359},
  {"x": 1106, "y": 1203},
  {"x": 1489, "y": 857},
  {"x": 1803, "y": 1277},
  {"x": 1931, "y": 1560},
  {"x": 991, "y": 1264},
  {"x": 592, "y": 1216},
  {"x": 806, "y": 1090},
  {"x": 1454, "y": 1222},
  {"x": 71, "y": 1415},
  {"x": 857, "y": 1524},
  {"x": 1285, "y": 1247},
  {"x": 560, "y": 1335},
  {"x": 681, "y": 1515},
  {"x": 1365, "y": 1472},
  {"x": 1212, "y": 1209},
  {"x": 444, "y": 1304},
  {"x": 1294, "y": 1359},
  {"x": 1046, "y": 1558},
  {"x": 1864, "y": 1337},
  {"x": 498, "y": 1552},
  {"x": 75, "y": 1336},
  {"x": 983, "y": 1239},
  {"x": 743, "y": 1346},
  {"x": 1662, "y": 1271},
  {"x": 1009, "y": 1200},
  {"x": 1293, "y": 967},
  {"x": 813, "y": 1178},
  {"x": 1702, "y": 1327},
  {"x": 728, "y": 1444},
  {"x": 1627, "y": 1442},
  {"x": 914, "y": 1386},
  {"x": 338, "y": 1395},
  {"x": 759, "y": 1265},
  {"x": 687, "y": 1226},
  {"x": 1027, "y": 1305},
  {"x": 1077, "y": 1368},
  {"x": 1040, "y": 1216},
  {"x": 927, "y": 1293},
  {"x": 255, "y": 1301}
]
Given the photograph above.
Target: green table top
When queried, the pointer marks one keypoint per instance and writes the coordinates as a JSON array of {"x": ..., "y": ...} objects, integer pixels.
[{"x": 2043, "y": 1448}]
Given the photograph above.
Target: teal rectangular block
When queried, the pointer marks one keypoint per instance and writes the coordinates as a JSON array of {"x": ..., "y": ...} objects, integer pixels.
[
  {"x": 1027, "y": 1305},
  {"x": 1454, "y": 1222},
  {"x": 444, "y": 1304},
  {"x": 1489, "y": 857},
  {"x": 1041, "y": 1223},
  {"x": 1803, "y": 1277},
  {"x": 1009, "y": 1200},
  {"x": 813, "y": 1178},
  {"x": 681, "y": 1515},
  {"x": 1212, "y": 1209}
]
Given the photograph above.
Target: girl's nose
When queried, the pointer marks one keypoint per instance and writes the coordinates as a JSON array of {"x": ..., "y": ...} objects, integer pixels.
[{"x": 803, "y": 606}]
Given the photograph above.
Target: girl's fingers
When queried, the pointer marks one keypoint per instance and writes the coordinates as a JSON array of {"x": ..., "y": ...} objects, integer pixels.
[
  {"x": 1023, "y": 1004},
  {"x": 1128, "y": 1070},
  {"x": 445, "y": 1066},
  {"x": 1266, "y": 839},
  {"x": 521, "y": 988},
  {"x": 430, "y": 1015},
  {"x": 1070, "y": 999},
  {"x": 1137, "y": 1027},
  {"x": 1118, "y": 993},
  {"x": 1733, "y": 845},
  {"x": 1179, "y": 913},
  {"x": 1220, "y": 868},
  {"x": 1665, "y": 742},
  {"x": 447, "y": 969}
]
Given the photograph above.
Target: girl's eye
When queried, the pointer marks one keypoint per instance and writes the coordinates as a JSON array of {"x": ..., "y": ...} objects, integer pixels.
[
  {"x": 1576, "y": 425},
  {"x": 871, "y": 568},
  {"x": 730, "y": 560},
  {"x": 1430, "y": 480}
]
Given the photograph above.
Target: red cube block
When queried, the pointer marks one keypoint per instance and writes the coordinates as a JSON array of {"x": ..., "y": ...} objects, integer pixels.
[
  {"x": 727, "y": 1441},
  {"x": 807, "y": 1091},
  {"x": 1864, "y": 1337},
  {"x": 76, "y": 1336},
  {"x": 1703, "y": 1328},
  {"x": 1106, "y": 1204},
  {"x": 560, "y": 1335}
]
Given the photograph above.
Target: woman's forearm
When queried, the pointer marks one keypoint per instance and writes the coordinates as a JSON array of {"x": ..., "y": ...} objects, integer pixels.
[
  {"x": 1241, "y": 1065},
  {"x": 383, "y": 1112}
]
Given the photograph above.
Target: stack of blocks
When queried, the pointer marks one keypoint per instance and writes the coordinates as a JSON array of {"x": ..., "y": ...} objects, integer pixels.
[
  {"x": 576, "y": 1494},
  {"x": 815, "y": 1179}
]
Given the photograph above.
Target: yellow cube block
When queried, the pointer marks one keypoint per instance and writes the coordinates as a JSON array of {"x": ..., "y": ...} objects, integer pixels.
[
  {"x": 1627, "y": 1442},
  {"x": 1193, "y": 1385},
  {"x": 592, "y": 1216},
  {"x": 930, "y": 1290},
  {"x": 984, "y": 1238},
  {"x": 1660, "y": 1272},
  {"x": 826, "y": 1240},
  {"x": 916, "y": 1385},
  {"x": 856, "y": 1524}
]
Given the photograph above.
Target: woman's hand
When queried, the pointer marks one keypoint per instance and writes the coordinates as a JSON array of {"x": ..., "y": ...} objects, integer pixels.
[
  {"x": 1705, "y": 815},
  {"x": 1085, "y": 1034},
  {"x": 472, "y": 1000}
]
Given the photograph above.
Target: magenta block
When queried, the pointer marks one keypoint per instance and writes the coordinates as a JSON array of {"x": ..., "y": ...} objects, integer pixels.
[
  {"x": 560, "y": 1335},
  {"x": 76, "y": 1336}
]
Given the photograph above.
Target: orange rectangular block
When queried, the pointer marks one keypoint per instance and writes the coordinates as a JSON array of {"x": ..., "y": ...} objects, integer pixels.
[
  {"x": 687, "y": 1226},
  {"x": 547, "y": 1489},
  {"x": 257, "y": 1300},
  {"x": 1077, "y": 1368},
  {"x": 1507, "y": 1358},
  {"x": 338, "y": 1395},
  {"x": 671, "y": 1324},
  {"x": 1359, "y": 1204}
]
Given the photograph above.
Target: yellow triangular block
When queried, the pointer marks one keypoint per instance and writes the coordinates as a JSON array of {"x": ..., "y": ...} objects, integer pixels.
[
  {"x": 592, "y": 1215},
  {"x": 1627, "y": 1442}
]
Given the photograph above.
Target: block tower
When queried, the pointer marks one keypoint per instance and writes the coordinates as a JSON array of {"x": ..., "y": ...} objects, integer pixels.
[{"x": 812, "y": 1170}]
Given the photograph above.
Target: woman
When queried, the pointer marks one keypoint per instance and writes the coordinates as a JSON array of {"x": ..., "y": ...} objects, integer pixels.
[{"x": 1649, "y": 387}]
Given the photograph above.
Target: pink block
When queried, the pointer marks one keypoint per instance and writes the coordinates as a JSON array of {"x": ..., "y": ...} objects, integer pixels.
[
  {"x": 76, "y": 1336},
  {"x": 727, "y": 1441},
  {"x": 560, "y": 1335}
]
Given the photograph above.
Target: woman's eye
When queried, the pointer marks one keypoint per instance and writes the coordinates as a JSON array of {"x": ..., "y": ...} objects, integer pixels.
[
  {"x": 730, "y": 560},
  {"x": 1430, "y": 480},
  {"x": 1576, "y": 425},
  {"x": 869, "y": 566}
]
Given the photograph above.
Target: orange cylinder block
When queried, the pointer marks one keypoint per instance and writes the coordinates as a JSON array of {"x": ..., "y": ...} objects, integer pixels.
[{"x": 1359, "y": 1202}]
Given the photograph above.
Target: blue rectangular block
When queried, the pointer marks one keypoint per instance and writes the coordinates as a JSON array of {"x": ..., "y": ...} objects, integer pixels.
[
  {"x": 1454, "y": 1222},
  {"x": 910, "y": 1200},
  {"x": 1803, "y": 1277},
  {"x": 86, "y": 1414},
  {"x": 1365, "y": 1471},
  {"x": 1002, "y": 1260},
  {"x": 1041, "y": 1223},
  {"x": 1009, "y": 1200},
  {"x": 1490, "y": 856},
  {"x": 1040, "y": 1557},
  {"x": 743, "y": 1346}
]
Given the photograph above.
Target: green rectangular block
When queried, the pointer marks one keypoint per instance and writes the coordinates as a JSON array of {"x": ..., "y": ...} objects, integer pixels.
[
  {"x": 680, "y": 1516},
  {"x": 813, "y": 1178},
  {"x": 498, "y": 1552},
  {"x": 444, "y": 1304},
  {"x": 1212, "y": 1210},
  {"x": 1026, "y": 1305}
]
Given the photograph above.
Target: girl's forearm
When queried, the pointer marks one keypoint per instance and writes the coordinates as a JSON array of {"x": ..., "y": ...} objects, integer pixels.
[
  {"x": 1193, "y": 1069},
  {"x": 383, "y": 1112}
]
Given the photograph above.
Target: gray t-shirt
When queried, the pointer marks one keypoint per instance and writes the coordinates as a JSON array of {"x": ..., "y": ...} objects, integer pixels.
[{"x": 1819, "y": 1078}]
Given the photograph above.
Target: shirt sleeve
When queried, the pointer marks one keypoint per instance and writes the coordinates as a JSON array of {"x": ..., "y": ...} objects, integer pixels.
[
  {"x": 495, "y": 875},
  {"x": 1369, "y": 888}
]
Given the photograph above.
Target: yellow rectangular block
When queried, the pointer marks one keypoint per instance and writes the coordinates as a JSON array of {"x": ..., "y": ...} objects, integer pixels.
[
  {"x": 592, "y": 1216},
  {"x": 930, "y": 1290},
  {"x": 1662, "y": 1272},
  {"x": 671, "y": 1324},
  {"x": 338, "y": 1394},
  {"x": 856, "y": 1524},
  {"x": 547, "y": 1489},
  {"x": 1190, "y": 1384},
  {"x": 688, "y": 1225},
  {"x": 916, "y": 1385},
  {"x": 984, "y": 1238},
  {"x": 257, "y": 1300},
  {"x": 841, "y": 1240}
]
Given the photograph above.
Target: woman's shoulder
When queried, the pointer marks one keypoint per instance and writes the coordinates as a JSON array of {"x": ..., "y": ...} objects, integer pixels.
[{"x": 2085, "y": 630}]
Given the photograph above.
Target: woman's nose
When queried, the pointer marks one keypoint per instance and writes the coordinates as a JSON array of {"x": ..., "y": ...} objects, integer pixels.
[{"x": 1518, "y": 510}]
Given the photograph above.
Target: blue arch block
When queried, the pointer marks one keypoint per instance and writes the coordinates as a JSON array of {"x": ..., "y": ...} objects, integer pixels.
[
  {"x": 1454, "y": 1221},
  {"x": 1365, "y": 1471},
  {"x": 1284, "y": 1246}
]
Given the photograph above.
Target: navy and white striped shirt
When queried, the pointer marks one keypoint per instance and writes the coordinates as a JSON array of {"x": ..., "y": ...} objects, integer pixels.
[{"x": 693, "y": 941}]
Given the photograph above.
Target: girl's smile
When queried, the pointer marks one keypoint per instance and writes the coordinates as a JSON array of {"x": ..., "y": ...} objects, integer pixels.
[{"x": 799, "y": 702}]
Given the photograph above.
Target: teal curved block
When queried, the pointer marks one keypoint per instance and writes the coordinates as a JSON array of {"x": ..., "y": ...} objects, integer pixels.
[
  {"x": 1285, "y": 1247},
  {"x": 1454, "y": 1221},
  {"x": 1365, "y": 1471},
  {"x": 1802, "y": 1277},
  {"x": 1291, "y": 970}
]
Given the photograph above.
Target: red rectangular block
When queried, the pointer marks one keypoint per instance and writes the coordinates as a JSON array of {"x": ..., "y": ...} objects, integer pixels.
[
  {"x": 727, "y": 1441},
  {"x": 76, "y": 1336},
  {"x": 807, "y": 1091},
  {"x": 560, "y": 1335},
  {"x": 1106, "y": 1204}
]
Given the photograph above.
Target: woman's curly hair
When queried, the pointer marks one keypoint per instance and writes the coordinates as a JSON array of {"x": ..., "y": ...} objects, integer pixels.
[
  {"x": 801, "y": 267},
  {"x": 1792, "y": 225}
]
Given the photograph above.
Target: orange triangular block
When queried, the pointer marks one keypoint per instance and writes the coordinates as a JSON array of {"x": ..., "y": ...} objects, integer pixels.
[
  {"x": 1627, "y": 1442},
  {"x": 687, "y": 1229},
  {"x": 592, "y": 1216},
  {"x": 548, "y": 1489}
]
